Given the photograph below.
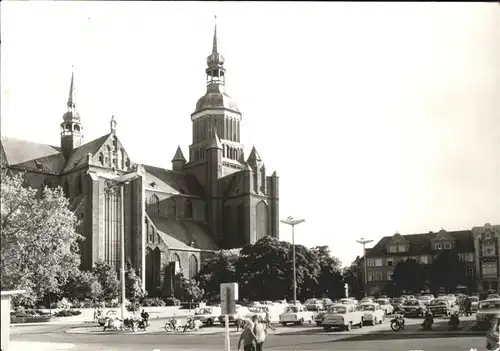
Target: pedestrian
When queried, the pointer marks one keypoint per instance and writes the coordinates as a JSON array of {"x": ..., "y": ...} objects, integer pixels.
[
  {"x": 468, "y": 306},
  {"x": 247, "y": 337},
  {"x": 259, "y": 332},
  {"x": 267, "y": 321}
]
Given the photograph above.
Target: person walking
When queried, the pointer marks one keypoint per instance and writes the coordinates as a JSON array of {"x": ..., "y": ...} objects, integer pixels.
[
  {"x": 247, "y": 337},
  {"x": 267, "y": 321},
  {"x": 259, "y": 332}
]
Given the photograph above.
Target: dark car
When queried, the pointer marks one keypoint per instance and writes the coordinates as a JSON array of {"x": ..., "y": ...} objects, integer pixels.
[
  {"x": 413, "y": 308},
  {"x": 397, "y": 302}
]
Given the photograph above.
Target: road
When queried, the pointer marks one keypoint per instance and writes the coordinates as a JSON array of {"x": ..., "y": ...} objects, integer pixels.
[{"x": 371, "y": 341}]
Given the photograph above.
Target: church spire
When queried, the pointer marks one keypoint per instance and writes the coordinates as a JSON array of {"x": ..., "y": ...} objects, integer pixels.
[
  {"x": 71, "y": 126},
  {"x": 71, "y": 98},
  {"x": 214, "y": 44},
  {"x": 215, "y": 62}
]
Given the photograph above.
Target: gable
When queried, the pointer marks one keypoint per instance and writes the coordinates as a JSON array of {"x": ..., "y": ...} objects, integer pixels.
[
  {"x": 233, "y": 184},
  {"x": 109, "y": 152},
  {"x": 80, "y": 154},
  {"x": 398, "y": 239},
  {"x": 443, "y": 235}
]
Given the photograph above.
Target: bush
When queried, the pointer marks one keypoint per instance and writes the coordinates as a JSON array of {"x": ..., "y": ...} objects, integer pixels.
[
  {"x": 172, "y": 301},
  {"x": 64, "y": 304},
  {"x": 87, "y": 303},
  {"x": 153, "y": 302},
  {"x": 67, "y": 313}
]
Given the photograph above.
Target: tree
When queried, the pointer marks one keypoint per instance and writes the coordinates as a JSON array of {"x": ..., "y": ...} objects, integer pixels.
[
  {"x": 39, "y": 248},
  {"x": 409, "y": 275},
  {"x": 133, "y": 285},
  {"x": 447, "y": 272},
  {"x": 83, "y": 285},
  {"x": 330, "y": 280},
  {"x": 217, "y": 269},
  {"x": 351, "y": 277},
  {"x": 107, "y": 276},
  {"x": 189, "y": 289}
]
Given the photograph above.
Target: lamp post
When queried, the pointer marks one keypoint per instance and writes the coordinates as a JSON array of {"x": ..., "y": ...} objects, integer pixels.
[
  {"x": 363, "y": 242},
  {"x": 293, "y": 222},
  {"x": 110, "y": 185}
]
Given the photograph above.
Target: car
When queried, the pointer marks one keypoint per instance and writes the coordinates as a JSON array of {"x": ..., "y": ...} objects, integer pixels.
[
  {"x": 492, "y": 339},
  {"x": 111, "y": 314},
  {"x": 318, "y": 318},
  {"x": 426, "y": 299},
  {"x": 385, "y": 305},
  {"x": 296, "y": 315},
  {"x": 440, "y": 307},
  {"x": 474, "y": 303},
  {"x": 241, "y": 312},
  {"x": 348, "y": 301},
  {"x": 259, "y": 311},
  {"x": 413, "y": 308},
  {"x": 313, "y": 304},
  {"x": 372, "y": 313},
  {"x": 342, "y": 316},
  {"x": 487, "y": 309},
  {"x": 208, "y": 315},
  {"x": 367, "y": 299},
  {"x": 492, "y": 296},
  {"x": 396, "y": 303}
]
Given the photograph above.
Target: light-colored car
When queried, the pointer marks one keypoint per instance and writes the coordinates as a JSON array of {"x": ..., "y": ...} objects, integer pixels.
[
  {"x": 372, "y": 313},
  {"x": 440, "y": 307},
  {"x": 426, "y": 299},
  {"x": 474, "y": 302},
  {"x": 385, "y": 305},
  {"x": 348, "y": 301},
  {"x": 241, "y": 313},
  {"x": 259, "y": 311},
  {"x": 313, "y": 304},
  {"x": 487, "y": 309},
  {"x": 111, "y": 314},
  {"x": 296, "y": 315},
  {"x": 367, "y": 300},
  {"x": 342, "y": 316},
  {"x": 208, "y": 315}
]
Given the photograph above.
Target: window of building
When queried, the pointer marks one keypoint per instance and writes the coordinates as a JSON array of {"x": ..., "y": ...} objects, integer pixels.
[
  {"x": 389, "y": 275},
  {"x": 177, "y": 261},
  {"x": 489, "y": 268},
  {"x": 188, "y": 212},
  {"x": 378, "y": 276},
  {"x": 392, "y": 248},
  {"x": 469, "y": 257},
  {"x": 390, "y": 261},
  {"x": 447, "y": 246},
  {"x": 424, "y": 260},
  {"x": 401, "y": 248},
  {"x": 470, "y": 272},
  {"x": 369, "y": 277},
  {"x": 153, "y": 205},
  {"x": 370, "y": 262},
  {"x": 461, "y": 257},
  {"x": 438, "y": 246},
  {"x": 193, "y": 266},
  {"x": 489, "y": 250},
  {"x": 378, "y": 262}
]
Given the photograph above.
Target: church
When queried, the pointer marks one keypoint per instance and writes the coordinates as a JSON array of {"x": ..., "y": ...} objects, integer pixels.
[{"x": 172, "y": 218}]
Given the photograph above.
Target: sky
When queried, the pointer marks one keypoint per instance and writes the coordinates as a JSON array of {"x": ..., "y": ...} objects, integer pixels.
[{"x": 378, "y": 117}]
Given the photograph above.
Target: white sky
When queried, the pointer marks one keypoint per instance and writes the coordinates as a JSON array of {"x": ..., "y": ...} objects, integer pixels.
[{"x": 377, "y": 117}]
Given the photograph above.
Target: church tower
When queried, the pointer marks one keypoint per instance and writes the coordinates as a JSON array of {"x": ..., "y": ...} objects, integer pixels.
[
  {"x": 216, "y": 111},
  {"x": 71, "y": 127}
]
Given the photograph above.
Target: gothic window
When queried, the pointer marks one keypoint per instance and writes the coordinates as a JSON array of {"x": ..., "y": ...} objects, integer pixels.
[
  {"x": 66, "y": 187},
  {"x": 177, "y": 260},
  {"x": 115, "y": 143},
  {"x": 153, "y": 205},
  {"x": 262, "y": 220},
  {"x": 188, "y": 211},
  {"x": 127, "y": 163},
  {"x": 151, "y": 233},
  {"x": 101, "y": 159},
  {"x": 193, "y": 266},
  {"x": 77, "y": 128},
  {"x": 110, "y": 155}
]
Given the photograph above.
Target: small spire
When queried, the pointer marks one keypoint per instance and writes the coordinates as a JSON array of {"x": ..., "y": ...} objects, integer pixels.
[
  {"x": 215, "y": 141},
  {"x": 71, "y": 97},
  {"x": 179, "y": 156},
  {"x": 112, "y": 124},
  {"x": 254, "y": 155},
  {"x": 214, "y": 44}
]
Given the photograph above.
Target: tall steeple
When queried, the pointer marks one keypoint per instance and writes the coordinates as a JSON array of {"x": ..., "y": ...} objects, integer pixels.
[
  {"x": 71, "y": 126},
  {"x": 216, "y": 72}
]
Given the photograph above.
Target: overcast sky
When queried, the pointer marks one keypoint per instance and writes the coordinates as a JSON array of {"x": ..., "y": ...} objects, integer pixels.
[{"x": 377, "y": 117}]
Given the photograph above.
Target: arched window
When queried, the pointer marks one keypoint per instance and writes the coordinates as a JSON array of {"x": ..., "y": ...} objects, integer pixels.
[
  {"x": 122, "y": 159},
  {"x": 177, "y": 260},
  {"x": 110, "y": 156},
  {"x": 188, "y": 211},
  {"x": 151, "y": 234},
  {"x": 127, "y": 163},
  {"x": 66, "y": 187},
  {"x": 153, "y": 205},
  {"x": 262, "y": 224},
  {"x": 193, "y": 266},
  {"x": 77, "y": 128},
  {"x": 101, "y": 158}
]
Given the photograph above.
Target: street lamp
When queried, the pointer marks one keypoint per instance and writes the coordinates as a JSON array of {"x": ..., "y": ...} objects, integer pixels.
[
  {"x": 364, "y": 241},
  {"x": 110, "y": 185},
  {"x": 293, "y": 222}
]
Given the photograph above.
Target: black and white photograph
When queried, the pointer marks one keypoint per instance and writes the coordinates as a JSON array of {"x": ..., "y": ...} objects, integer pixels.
[{"x": 184, "y": 176}]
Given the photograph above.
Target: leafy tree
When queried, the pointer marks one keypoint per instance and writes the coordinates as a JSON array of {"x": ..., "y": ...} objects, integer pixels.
[
  {"x": 351, "y": 277},
  {"x": 447, "y": 272},
  {"x": 133, "y": 285},
  {"x": 106, "y": 276},
  {"x": 409, "y": 275},
  {"x": 217, "y": 269},
  {"x": 39, "y": 248},
  {"x": 330, "y": 280},
  {"x": 83, "y": 285},
  {"x": 189, "y": 289}
]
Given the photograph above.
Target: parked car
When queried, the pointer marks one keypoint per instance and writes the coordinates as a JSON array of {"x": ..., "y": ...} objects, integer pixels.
[
  {"x": 413, "y": 308},
  {"x": 474, "y": 303},
  {"x": 372, "y": 313},
  {"x": 111, "y": 314},
  {"x": 318, "y": 318},
  {"x": 385, "y": 305},
  {"x": 342, "y": 316},
  {"x": 348, "y": 301},
  {"x": 367, "y": 299},
  {"x": 259, "y": 311},
  {"x": 208, "y": 315},
  {"x": 396, "y": 303},
  {"x": 313, "y": 304},
  {"x": 440, "y": 307},
  {"x": 492, "y": 296},
  {"x": 296, "y": 315},
  {"x": 426, "y": 299},
  {"x": 487, "y": 309},
  {"x": 241, "y": 312}
]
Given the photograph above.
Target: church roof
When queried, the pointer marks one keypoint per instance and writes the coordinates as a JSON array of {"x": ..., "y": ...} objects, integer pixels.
[
  {"x": 178, "y": 234},
  {"x": 79, "y": 155},
  {"x": 215, "y": 99},
  {"x": 168, "y": 181},
  {"x": 19, "y": 151}
]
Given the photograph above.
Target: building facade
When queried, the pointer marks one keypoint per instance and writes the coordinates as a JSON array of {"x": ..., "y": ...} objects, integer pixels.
[
  {"x": 173, "y": 219},
  {"x": 383, "y": 258},
  {"x": 487, "y": 257}
]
